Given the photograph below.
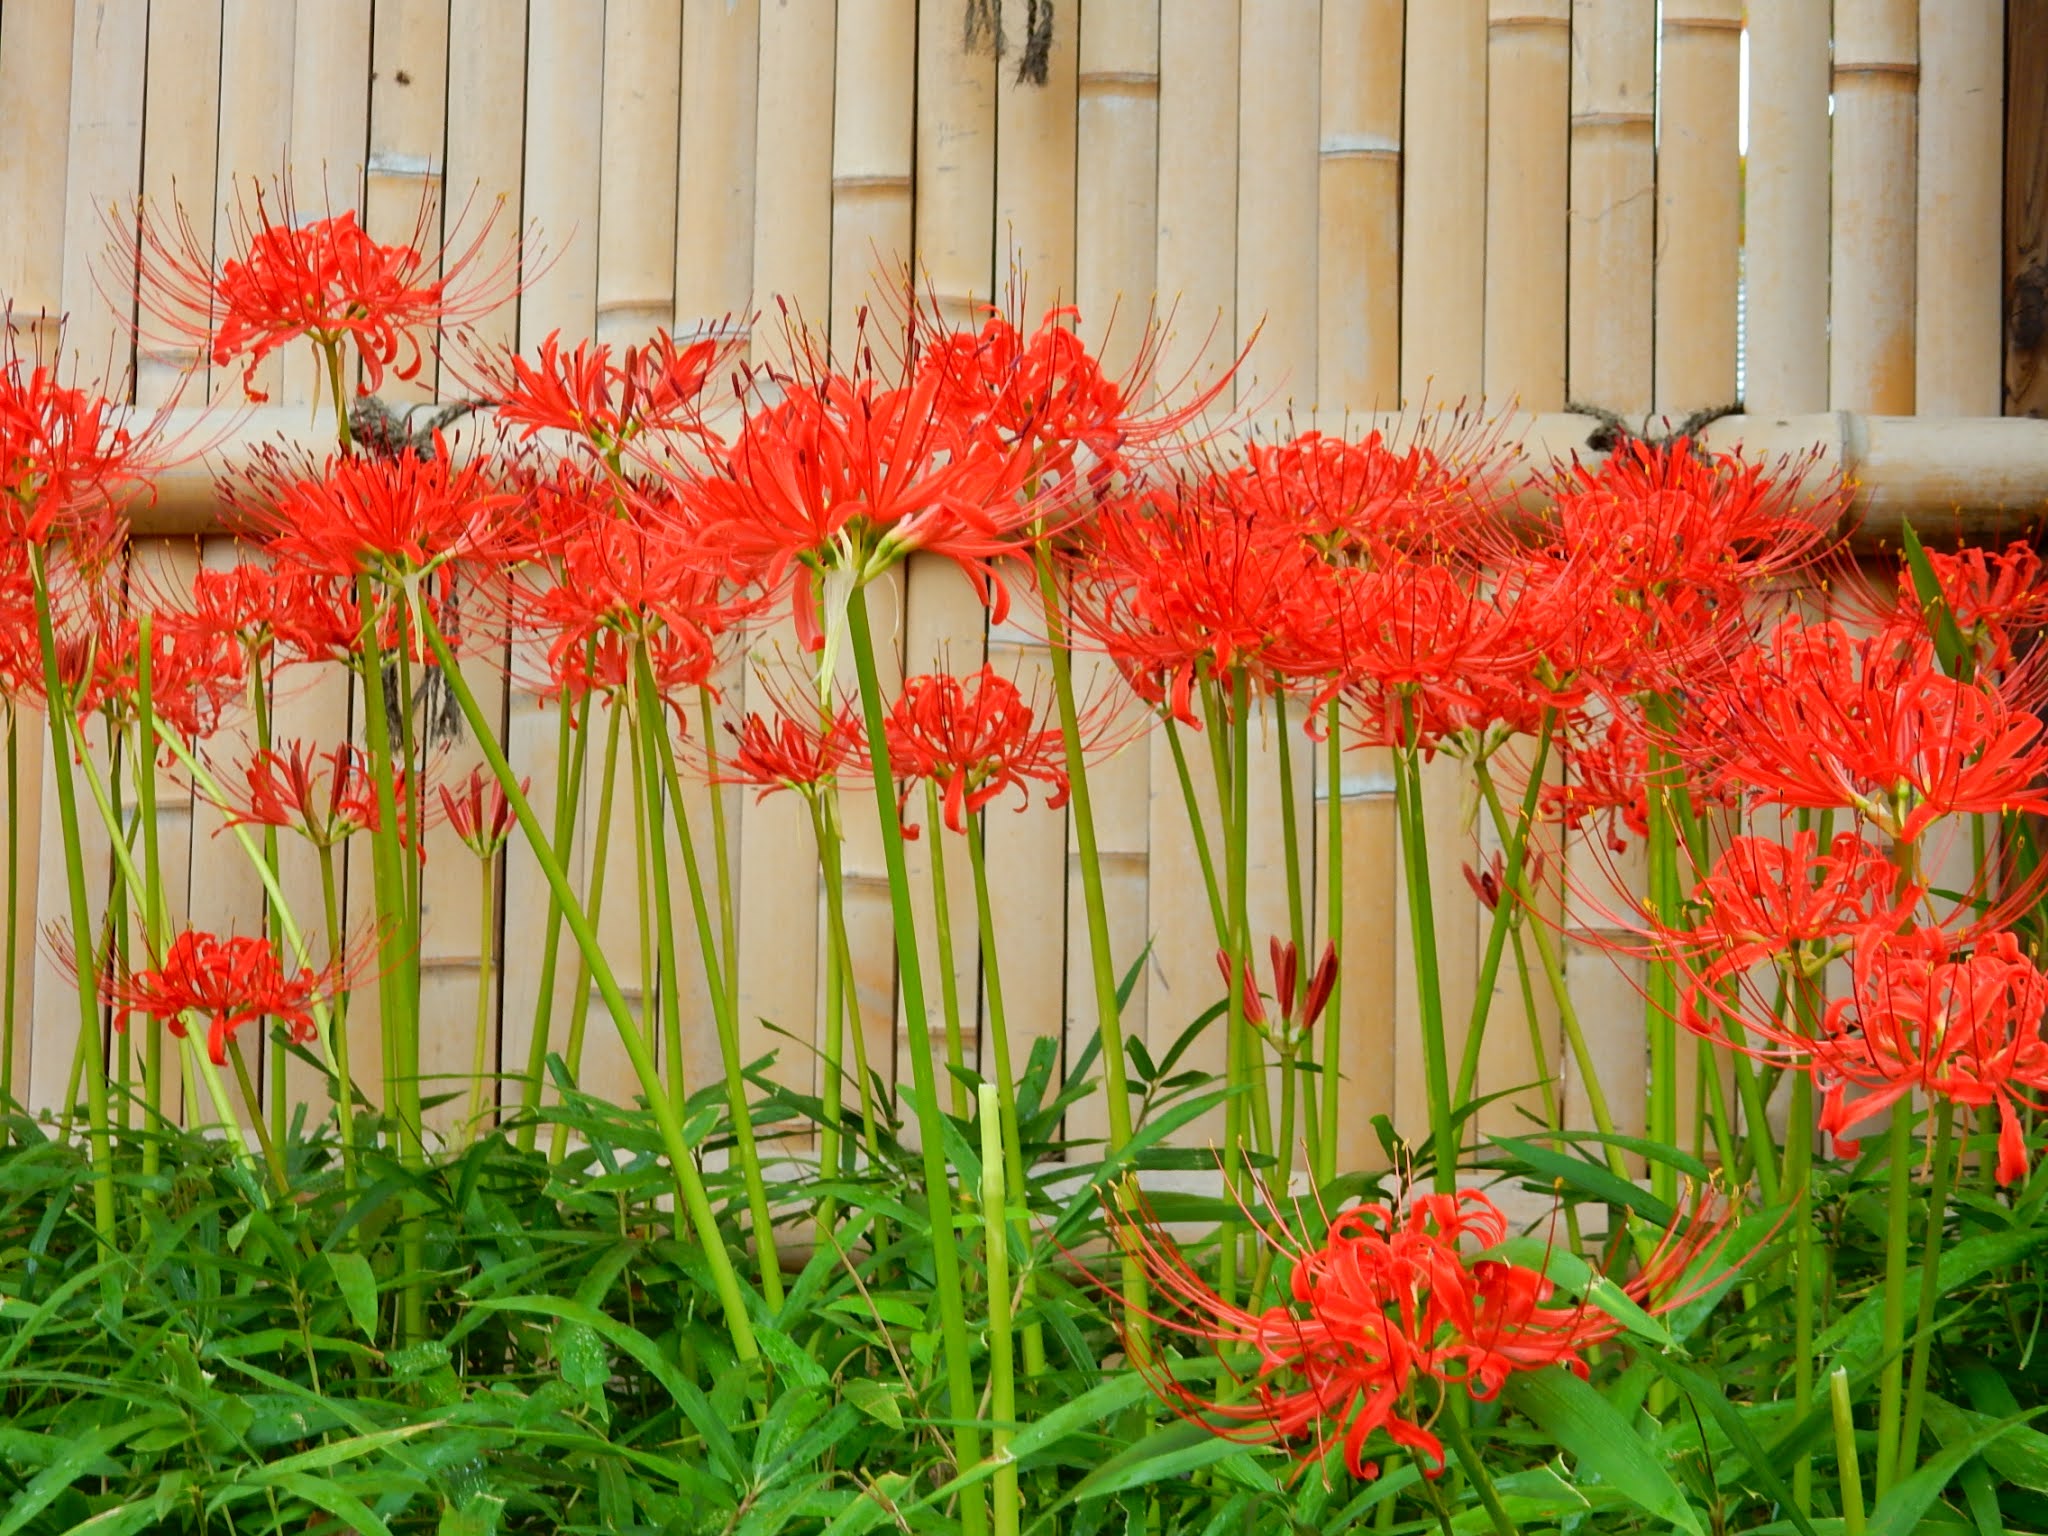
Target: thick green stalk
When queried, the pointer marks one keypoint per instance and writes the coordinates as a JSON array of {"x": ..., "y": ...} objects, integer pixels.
[
  {"x": 831, "y": 1087},
  {"x": 155, "y": 922},
  {"x": 280, "y": 1088},
  {"x": 13, "y": 904},
  {"x": 1798, "y": 1180},
  {"x": 1539, "y": 1048},
  {"x": 486, "y": 938},
  {"x": 199, "y": 1064},
  {"x": 942, "y": 933},
  {"x": 689, "y": 1186},
  {"x": 728, "y": 918},
  {"x": 115, "y": 815},
  {"x": 1848, "y": 1474},
  {"x": 600, "y": 858},
  {"x": 337, "y": 1030},
  {"x": 668, "y": 977},
  {"x": 1332, "y": 1029},
  {"x": 1930, "y": 1289},
  {"x": 831, "y": 861},
  {"x": 572, "y": 747},
  {"x": 1002, "y": 1380},
  {"x": 1428, "y": 983},
  {"x": 273, "y": 1158},
  {"x": 61, "y": 733},
  {"x": 1891, "y": 1381},
  {"x": 1290, "y": 835},
  {"x": 1223, "y": 759},
  {"x": 724, "y": 1005},
  {"x": 1005, "y": 1082},
  {"x": 910, "y": 978},
  {"x": 1661, "y": 989},
  {"x": 1193, "y": 804},
  {"x": 1452, "y": 1422}
]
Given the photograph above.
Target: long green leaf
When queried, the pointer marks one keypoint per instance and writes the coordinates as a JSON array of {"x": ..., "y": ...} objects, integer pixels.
[
  {"x": 1605, "y": 1444},
  {"x": 1898, "y": 1512}
]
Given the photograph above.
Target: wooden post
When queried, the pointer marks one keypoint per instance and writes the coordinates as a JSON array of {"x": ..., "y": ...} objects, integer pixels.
[
  {"x": 1785, "y": 221},
  {"x": 1958, "y": 260},
  {"x": 2026, "y": 208},
  {"x": 1870, "y": 359},
  {"x": 1528, "y": 191},
  {"x": 1698, "y": 204}
]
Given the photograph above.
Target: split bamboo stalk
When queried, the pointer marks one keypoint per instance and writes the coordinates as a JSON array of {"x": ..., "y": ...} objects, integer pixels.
[
  {"x": 1371, "y": 943},
  {"x": 1785, "y": 213},
  {"x": 873, "y": 143},
  {"x": 779, "y": 918},
  {"x": 1698, "y": 204},
  {"x": 25, "y": 816},
  {"x": 1034, "y": 228},
  {"x": 2026, "y": 209},
  {"x": 714, "y": 238},
  {"x": 636, "y": 173},
  {"x": 1877, "y": 63},
  {"x": 1278, "y": 153},
  {"x": 1613, "y": 175},
  {"x": 1197, "y": 265},
  {"x": 1528, "y": 191},
  {"x": 1358, "y": 202},
  {"x": 257, "y": 43},
  {"x": 485, "y": 158},
  {"x": 35, "y": 103},
  {"x": 1116, "y": 268},
  {"x": 1958, "y": 262},
  {"x": 181, "y": 142},
  {"x": 1443, "y": 202}
]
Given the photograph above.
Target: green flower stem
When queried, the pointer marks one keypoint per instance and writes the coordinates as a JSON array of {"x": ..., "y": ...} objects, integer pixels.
[
  {"x": 272, "y": 1157},
  {"x": 995, "y": 1159},
  {"x": 831, "y": 1095},
  {"x": 721, "y": 853},
  {"x": 1200, "y": 831},
  {"x": 1290, "y": 834},
  {"x": 1236, "y": 1058},
  {"x": 200, "y": 1065},
  {"x": 1005, "y": 1081},
  {"x": 1452, "y": 1422},
  {"x": 121, "y": 832},
  {"x": 1891, "y": 1381},
  {"x": 280, "y": 1089},
  {"x": 1101, "y": 964},
  {"x": 1513, "y": 855},
  {"x": 1848, "y": 1474},
  {"x": 724, "y": 1001},
  {"x": 910, "y": 978},
  {"x": 1799, "y": 1180},
  {"x": 572, "y": 747},
  {"x": 61, "y": 729},
  {"x": 1661, "y": 989},
  {"x": 1539, "y": 1048},
  {"x": 689, "y": 1186},
  {"x": 1567, "y": 1011},
  {"x": 155, "y": 921},
  {"x": 8, "y": 1008},
  {"x": 488, "y": 883},
  {"x": 1332, "y": 1027},
  {"x": 942, "y": 932},
  {"x": 397, "y": 956},
  {"x": 1422, "y": 936},
  {"x": 600, "y": 859},
  {"x": 1930, "y": 1288},
  {"x": 832, "y": 862},
  {"x": 337, "y": 1031},
  {"x": 668, "y": 974}
]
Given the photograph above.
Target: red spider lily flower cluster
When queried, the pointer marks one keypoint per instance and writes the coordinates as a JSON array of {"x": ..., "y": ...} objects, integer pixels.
[
  {"x": 68, "y": 462},
  {"x": 603, "y": 398},
  {"x": 788, "y": 750},
  {"x": 325, "y": 797},
  {"x": 226, "y": 981},
  {"x": 1817, "y": 717},
  {"x": 977, "y": 738},
  {"x": 324, "y": 279},
  {"x": 480, "y": 812},
  {"x": 1996, "y": 598},
  {"x": 1395, "y": 1308},
  {"x": 1290, "y": 1028}
]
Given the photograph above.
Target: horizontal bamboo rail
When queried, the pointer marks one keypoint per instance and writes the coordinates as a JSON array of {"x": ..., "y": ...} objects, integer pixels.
[{"x": 1951, "y": 477}]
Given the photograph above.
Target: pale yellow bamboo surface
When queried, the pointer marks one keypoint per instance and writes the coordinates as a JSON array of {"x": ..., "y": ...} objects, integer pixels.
[{"x": 1408, "y": 202}]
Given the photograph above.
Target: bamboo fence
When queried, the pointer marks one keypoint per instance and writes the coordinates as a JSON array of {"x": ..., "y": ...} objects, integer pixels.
[{"x": 1522, "y": 203}]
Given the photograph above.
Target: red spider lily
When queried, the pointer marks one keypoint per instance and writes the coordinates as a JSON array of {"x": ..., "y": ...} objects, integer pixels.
[
  {"x": 397, "y": 518},
  {"x": 1817, "y": 718},
  {"x": 1923, "y": 1017},
  {"x": 195, "y": 675},
  {"x": 67, "y": 464},
  {"x": 1368, "y": 501},
  {"x": 1491, "y": 883},
  {"x": 227, "y": 981},
  {"x": 480, "y": 812},
  {"x": 1198, "y": 578},
  {"x": 1391, "y": 1311},
  {"x": 283, "y": 611},
  {"x": 324, "y": 279},
  {"x": 1286, "y": 975},
  {"x": 325, "y": 797},
  {"x": 1606, "y": 773},
  {"x": 790, "y": 751},
  {"x": 980, "y": 738},
  {"x": 606, "y": 399},
  {"x": 1994, "y": 598},
  {"x": 845, "y": 474}
]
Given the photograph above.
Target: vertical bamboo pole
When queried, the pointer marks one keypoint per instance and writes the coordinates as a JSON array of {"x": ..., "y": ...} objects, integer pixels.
[
  {"x": 2026, "y": 208},
  {"x": 1528, "y": 190},
  {"x": 1358, "y": 202},
  {"x": 780, "y": 926},
  {"x": 485, "y": 157},
  {"x": 715, "y": 185},
  {"x": 35, "y": 103},
  {"x": 1034, "y": 228},
  {"x": 1443, "y": 306},
  {"x": 1609, "y": 362},
  {"x": 1877, "y": 64},
  {"x": 1372, "y": 943},
  {"x": 256, "y": 48},
  {"x": 1279, "y": 149},
  {"x": 1116, "y": 263},
  {"x": 1956, "y": 359},
  {"x": 1443, "y": 201},
  {"x": 1785, "y": 208},
  {"x": 1698, "y": 204},
  {"x": 1198, "y": 272},
  {"x": 181, "y": 141}
]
